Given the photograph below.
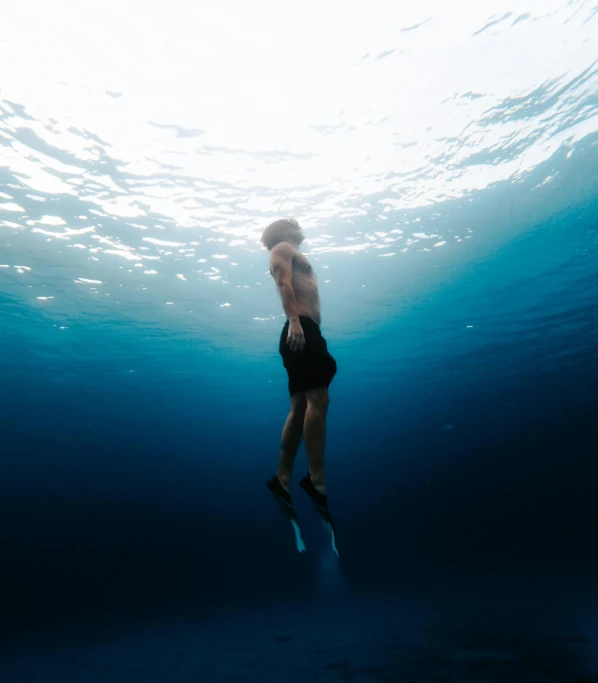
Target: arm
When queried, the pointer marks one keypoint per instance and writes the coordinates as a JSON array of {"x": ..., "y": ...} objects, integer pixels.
[{"x": 281, "y": 265}]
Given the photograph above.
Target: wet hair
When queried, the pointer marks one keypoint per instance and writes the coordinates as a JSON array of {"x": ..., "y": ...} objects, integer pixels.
[{"x": 283, "y": 230}]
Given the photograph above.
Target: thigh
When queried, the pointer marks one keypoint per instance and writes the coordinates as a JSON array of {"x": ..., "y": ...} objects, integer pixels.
[
  {"x": 318, "y": 398},
  {"x": 298, "y": 403}
]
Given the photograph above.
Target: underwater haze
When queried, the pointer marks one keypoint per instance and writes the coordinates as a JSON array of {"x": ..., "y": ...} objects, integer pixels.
[{"x": 442, "y": 159}]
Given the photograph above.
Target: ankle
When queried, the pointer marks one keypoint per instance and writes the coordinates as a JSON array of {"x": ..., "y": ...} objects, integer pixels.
[
  {"x": 318, "y": 481},
  {"x": 285, "y": 480}
]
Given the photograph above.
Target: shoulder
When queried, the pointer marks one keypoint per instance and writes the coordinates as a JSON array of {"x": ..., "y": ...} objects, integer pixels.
[
  {"x": 283, "y": 255},
  {"x": 283, "y": 250}
]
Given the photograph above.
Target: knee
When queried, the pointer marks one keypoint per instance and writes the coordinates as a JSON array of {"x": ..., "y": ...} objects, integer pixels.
[{"x": 297, "y": 416}]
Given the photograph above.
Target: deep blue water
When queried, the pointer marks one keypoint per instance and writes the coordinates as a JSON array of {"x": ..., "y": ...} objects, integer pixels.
[{"x": 140, "y": 422}]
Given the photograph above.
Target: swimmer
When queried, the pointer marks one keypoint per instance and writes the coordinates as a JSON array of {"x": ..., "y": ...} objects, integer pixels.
[{"x": 310, "y": 369}]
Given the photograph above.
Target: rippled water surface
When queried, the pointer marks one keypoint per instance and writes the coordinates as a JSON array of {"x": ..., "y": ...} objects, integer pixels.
[{"x": 144, "y": 151}]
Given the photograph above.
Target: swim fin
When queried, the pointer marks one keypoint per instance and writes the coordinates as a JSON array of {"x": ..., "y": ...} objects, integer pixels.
[
  {"x": 285, "y": 503},
  {"x": 320, "y": 502}
]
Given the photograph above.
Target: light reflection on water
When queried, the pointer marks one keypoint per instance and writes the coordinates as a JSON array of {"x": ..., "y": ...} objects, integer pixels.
[{"x": 141, "y": 159}]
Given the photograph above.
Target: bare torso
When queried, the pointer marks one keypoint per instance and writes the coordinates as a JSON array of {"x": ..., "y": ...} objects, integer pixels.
[{"x": 305, "y": 287}]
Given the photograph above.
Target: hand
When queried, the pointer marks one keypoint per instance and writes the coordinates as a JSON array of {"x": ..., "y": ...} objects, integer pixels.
[{"x": 296, "y": 338}]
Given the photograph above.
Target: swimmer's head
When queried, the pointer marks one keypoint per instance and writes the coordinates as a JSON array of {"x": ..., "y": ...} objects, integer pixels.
[{"x": 284, "y": 230}]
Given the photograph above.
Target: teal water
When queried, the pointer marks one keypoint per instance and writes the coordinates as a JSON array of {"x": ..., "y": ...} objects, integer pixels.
[{"x": 443, "y": 162}]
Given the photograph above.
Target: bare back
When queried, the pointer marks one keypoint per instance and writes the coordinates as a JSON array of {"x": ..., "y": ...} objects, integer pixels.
[{"x": 303, "y": 281}]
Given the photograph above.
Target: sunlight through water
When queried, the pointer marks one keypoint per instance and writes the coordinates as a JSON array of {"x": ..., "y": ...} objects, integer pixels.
[{"x": 143, "y": 153}]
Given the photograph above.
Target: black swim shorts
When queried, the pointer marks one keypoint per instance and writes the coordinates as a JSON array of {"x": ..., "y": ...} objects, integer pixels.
[{"x": 311, "y": 368}]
